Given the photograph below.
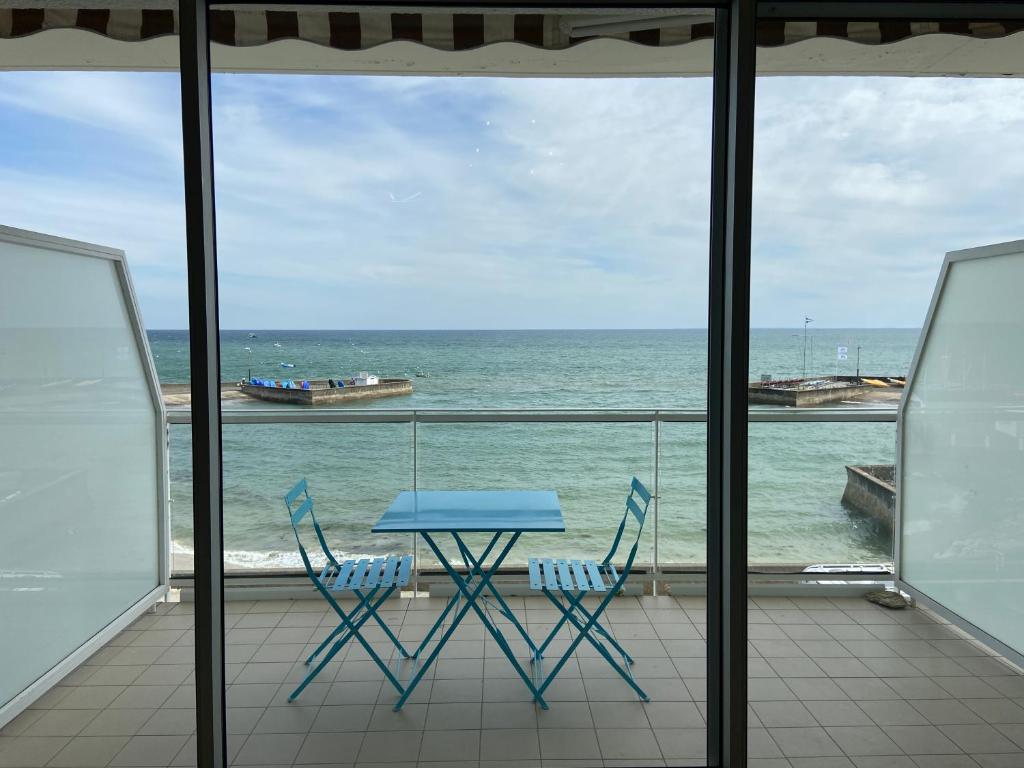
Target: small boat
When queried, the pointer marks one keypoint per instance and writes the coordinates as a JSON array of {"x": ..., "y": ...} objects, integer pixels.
[
  {"x": 252, "y": 335},
  {"x": 287, "y": 365},
  {"x": 422, "y": 375},
  {"x": 277, "y": 345}
]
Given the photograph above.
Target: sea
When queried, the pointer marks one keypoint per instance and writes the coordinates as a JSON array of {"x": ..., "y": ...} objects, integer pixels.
[{"x": 796, "y": 470}]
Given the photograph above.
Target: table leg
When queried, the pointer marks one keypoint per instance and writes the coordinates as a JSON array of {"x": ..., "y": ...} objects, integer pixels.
[
  {"x": 471, "y": 602},
  {"x": 454, "y": 601},
  {"x": 504, "y": 610},
  {"x": 470, "y": 599}
]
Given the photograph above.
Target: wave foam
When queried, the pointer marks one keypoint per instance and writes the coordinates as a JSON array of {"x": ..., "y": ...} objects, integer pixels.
[{"x": 268, "y": 560}]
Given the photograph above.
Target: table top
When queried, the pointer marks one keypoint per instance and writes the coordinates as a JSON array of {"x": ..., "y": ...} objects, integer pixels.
[{"x": 472, "y": 511}]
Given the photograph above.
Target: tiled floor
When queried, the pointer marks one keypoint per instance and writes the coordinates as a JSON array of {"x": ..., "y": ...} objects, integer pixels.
[{"x": 834, "y": 682}]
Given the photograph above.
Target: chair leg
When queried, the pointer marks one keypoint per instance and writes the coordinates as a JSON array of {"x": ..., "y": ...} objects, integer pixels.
[
  {"x": 364, "y": 605},
  {"x": 353, "y": 631},
  {"x": 373, "y": 611},
  {"x": 316, "y": 670},
  {"x": 583, "y": 631},
  {"x": 327, "y": 641},
  {"x": 607, "y": 635},
  {"x": 554, "y": 631}
]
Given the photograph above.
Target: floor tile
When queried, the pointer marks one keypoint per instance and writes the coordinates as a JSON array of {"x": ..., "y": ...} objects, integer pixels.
[
  {"x": 89, "y": 752},
  {"x": 838, "y": 713},
  {"x": 149, "y": 751},
  {"x": 628, "y": 744},
  {"x": 804, "y": 742},
  {"x": 682, "y": 743},
  {"x": 979, "y": 738},
  {"x": 920, "y": 739},
  {"x": 509, "y": 744},
  {"x": 783, "y": 714},
  {"x": 863, "y": 740},
  {"x": 569, "y": 744},
  {"x": 29, "y": 751},
  {"x": 516, "y": 714},
  {"x": 390, "y": 746},
  {"x": 893, "y": 713},
  {"x": 61, "y": 722},
  {"x": 450, "y": 747},
  {"x": 328, "y": 748},
  {"x": 441, "y": 717}
]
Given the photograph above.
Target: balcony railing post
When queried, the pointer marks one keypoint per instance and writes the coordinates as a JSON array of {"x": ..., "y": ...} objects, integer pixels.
[
  {"x": 415, "y": 538},
  {"x": 655, "y": 502}
]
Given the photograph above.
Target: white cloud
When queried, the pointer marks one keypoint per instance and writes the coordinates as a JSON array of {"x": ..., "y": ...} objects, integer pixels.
[{"x": 527, "y": 203}]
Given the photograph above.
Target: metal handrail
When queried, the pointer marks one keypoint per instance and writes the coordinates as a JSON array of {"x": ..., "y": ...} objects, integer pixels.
[
  {"x": 538, "y": 416},
  {"x": 241, "y": 416}
]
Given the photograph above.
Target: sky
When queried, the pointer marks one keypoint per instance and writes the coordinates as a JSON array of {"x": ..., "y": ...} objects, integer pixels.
[{"x": 405, "y": 202}]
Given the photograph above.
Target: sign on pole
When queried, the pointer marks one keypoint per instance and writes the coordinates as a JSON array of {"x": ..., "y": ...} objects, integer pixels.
[{"x": 841, "y": 353}]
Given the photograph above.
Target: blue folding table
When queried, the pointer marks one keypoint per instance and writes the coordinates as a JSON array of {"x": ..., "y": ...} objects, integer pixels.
[{"x": 459, "y": 512}]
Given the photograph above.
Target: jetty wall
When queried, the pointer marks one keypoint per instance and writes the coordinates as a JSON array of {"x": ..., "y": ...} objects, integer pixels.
[
  {"x": 320, "y": 393},
  {"x": 871, "y": 489},
  {"x": 803, "y": 398}
]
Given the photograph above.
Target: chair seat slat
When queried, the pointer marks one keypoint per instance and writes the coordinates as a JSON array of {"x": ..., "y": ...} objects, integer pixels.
[
  {"x": 325, "y": 574},
  {"x": 595, "y": 576},
  {"x": 582, "y": 582},
  {"x": 564, "y": 576},
  {"x": 404, "y": 570},
  {"x": 373, "y": 574},
  {"x": 358, "y": 573},
  {"x": 346, "y": 569},
  {"x": 612, "y": 574},
  {"x": 535, "y": 580},
  {"x": 549, "y": 574},
  {"x": 389, "y": 571}
]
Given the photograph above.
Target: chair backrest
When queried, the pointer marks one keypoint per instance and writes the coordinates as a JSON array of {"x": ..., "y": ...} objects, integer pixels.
[
  {"x": 637, "y": 502},
  {"x": 299, "y": 504}
]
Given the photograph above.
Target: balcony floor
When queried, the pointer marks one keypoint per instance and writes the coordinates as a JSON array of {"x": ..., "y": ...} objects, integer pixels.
[{"x": 834, "y": 682}]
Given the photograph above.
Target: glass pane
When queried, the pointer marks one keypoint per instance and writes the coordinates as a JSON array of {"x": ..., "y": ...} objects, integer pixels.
[
  {"x": 830, "y": 504},
  {"x": 94, "y": 156},
  {"x": 534, "y": 237},
  {"x": 80, "y": 493},
  {"x": 961, "y": 448},
  {"x": 866, "y": 174}
]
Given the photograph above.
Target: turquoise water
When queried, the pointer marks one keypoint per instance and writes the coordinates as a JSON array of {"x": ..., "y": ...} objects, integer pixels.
[{"x": 797, "y": 471}]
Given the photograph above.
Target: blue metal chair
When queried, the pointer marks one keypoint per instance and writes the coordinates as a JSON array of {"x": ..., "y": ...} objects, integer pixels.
[
  {"x": 364, "y": 578},
  {"x": 574, "y": 580}
]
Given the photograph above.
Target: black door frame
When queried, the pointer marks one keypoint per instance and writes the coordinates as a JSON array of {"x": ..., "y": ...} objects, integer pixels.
[{"x": 728, "y": 333}]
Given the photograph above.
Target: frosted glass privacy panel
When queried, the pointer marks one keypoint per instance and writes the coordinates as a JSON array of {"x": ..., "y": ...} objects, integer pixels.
[
  {"x": 80, "y": 474},
  {"x": 962, "y": 445}
]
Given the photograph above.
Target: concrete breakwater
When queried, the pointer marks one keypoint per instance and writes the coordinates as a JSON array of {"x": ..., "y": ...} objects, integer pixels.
[
  {"x": 320, "y": 392},
  {"x": 820, "y": 390},
  {"x": 871, "y": 490}
]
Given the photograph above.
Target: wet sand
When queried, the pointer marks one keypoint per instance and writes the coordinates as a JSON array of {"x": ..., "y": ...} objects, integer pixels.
[{"x": 181, "y": 394}]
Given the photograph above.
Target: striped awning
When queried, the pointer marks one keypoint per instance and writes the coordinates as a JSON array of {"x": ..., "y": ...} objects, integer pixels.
[{"x": 457, "y": 31}]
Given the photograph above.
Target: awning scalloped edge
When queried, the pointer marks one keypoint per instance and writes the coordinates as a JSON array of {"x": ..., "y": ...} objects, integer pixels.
[{"x": 353, "y": 31}]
